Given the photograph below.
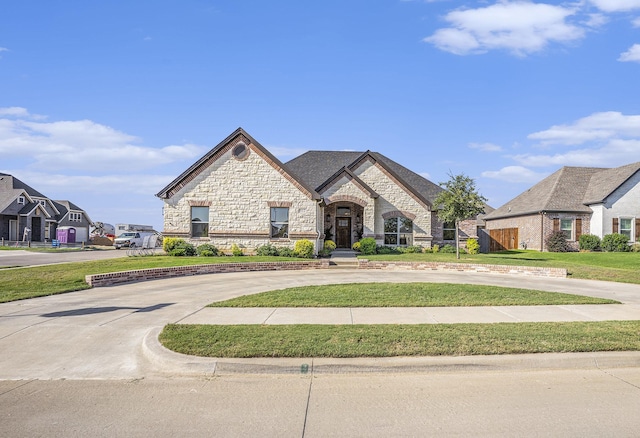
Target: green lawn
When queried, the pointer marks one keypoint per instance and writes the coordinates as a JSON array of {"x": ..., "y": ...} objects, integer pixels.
[
  {"x": 38, "y": 281},
  {"x": 399, "y": 340},
  {"x": 405, "y": 295},
  {"x": 608, "y": 266}
]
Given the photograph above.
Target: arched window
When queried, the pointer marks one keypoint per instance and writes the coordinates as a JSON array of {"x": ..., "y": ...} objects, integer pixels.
[{"x": 398, "y": 231}]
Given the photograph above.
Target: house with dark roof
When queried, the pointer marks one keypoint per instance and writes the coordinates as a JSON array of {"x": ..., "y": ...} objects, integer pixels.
[
  {"x": 239, "y": 193},
  {"x": 575, "y": 200},
  {"x": 22, "y": 207}
]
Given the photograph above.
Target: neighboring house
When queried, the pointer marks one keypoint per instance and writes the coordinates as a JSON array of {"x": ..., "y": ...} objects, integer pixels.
[
  {"x": 22, "y": 207},
  {"x": 575, "y": 200},
  {"x": 240, "y": 193}
]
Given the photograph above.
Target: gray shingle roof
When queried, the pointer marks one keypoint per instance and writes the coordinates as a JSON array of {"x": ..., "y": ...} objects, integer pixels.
[{"x": 570, "y": 189}]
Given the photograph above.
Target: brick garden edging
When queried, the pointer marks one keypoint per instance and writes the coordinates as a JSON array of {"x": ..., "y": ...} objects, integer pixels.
[
  {"x": 101, "y": 280},
  {"x": 463, "y": 267}
]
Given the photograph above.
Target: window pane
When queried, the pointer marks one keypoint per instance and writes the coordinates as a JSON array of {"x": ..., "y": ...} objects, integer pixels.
[
  {"x": 279, "y": 230},
  {"x": 625, "y": 227},
  {"x": 279, "y": 214},
  {"x": 390, "y": 239},
  {"x": 391, "y": 225},
  {"x": 566, "y": 226},
  {"x": 343, "y": 211},
  {"x": 406, "y": 225},
  {"x": 279, "y": 222},
  {"x": 199, "y": 229},
  {"x": 449, "y": 235},
  {"x": 199, "y": 214},
  {"x": 405, "y": 239}
]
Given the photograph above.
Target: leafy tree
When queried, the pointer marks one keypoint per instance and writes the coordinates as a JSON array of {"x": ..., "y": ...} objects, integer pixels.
[{"x": 459, "y": 201}]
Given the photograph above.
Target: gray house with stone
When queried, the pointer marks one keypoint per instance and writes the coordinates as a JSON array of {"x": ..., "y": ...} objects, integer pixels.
[
  {"x": 240, "y": 193},
  {"x": 22, "y": 207},
  {"x": 575, "y": 200}
]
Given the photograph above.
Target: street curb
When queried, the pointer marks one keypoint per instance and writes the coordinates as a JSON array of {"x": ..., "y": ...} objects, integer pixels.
[{"x": 165, "y": 361}]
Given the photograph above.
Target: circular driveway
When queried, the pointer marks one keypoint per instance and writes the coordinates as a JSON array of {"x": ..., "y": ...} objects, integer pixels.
[
  {"x": 20, "y": 257},
  {"x": 101, "y": 332}
]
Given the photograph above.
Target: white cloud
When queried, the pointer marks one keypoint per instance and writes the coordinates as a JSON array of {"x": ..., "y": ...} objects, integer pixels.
[
  {"x": 631, "y": 55},
  {"x": 514, "y": 174},
  {"x": 596, "y": 20},
  {"x": 519, "y": 27},
  {"x": 284, "y": 153},
  {"x": 596, "y": 127},
  {"x": 485, "y": 147},
  {"x": 425, "y": 175},
  {"x": 636, "y": 22},
  {"x": 19, "y": 112},
  {"x": 82, "y": 144},
  {"x": 616, "y": 5},
  {"x": 615, "y": 153}
]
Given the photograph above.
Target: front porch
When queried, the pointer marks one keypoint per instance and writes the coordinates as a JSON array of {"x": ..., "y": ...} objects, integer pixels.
[{"x": 344, "y": 223}]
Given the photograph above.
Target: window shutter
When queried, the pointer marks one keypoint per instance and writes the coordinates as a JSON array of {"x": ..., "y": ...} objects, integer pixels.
[
  {"x": 578, "y": 228},
  {"x": 637, "y": 230},
  {"x": 556, "y": 224},
  {"x": 615, "y": 225}
]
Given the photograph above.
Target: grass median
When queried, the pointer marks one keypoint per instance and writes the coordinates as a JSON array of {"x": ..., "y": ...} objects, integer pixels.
[
  {"x": 344, "y": 341},
  {"x": 406, "y": 295}
]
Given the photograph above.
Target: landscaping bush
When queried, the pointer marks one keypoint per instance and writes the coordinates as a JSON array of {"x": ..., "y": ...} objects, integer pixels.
[
  {"x": 286, "y": 252},
  {"x": 473, "y": 247},
  {"x": 169, "y": 243},
  {"x": 635, "y": 247},
  {"x": 329, "y": 245},
  {"x": 615, "y": 243},
  {"x": 368, "y": 246},
  {"x": 236, "y": 251},
  {"x": 267, "y": 250},
  {"x": 381, "y": 249},
  {"x": 207, "y": 250},
  {"x": 557, "y": 242},
  {"x": 181, "y": 248},
  {"x": 356, "y": 246},
  {"x": 589, "y": 242},
  {"x": 413, "y": 249},
  {"x": 448, "y": 249},
  {"x": 435, "y": 248},
  {"x": 303, "y": 248}
]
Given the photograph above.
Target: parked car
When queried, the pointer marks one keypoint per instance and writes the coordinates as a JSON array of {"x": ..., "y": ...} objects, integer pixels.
[{"x": 130, "y": 239}]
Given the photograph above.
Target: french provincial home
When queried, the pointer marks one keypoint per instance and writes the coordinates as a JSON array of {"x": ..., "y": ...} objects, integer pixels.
[{"x": 239, "y": 193}]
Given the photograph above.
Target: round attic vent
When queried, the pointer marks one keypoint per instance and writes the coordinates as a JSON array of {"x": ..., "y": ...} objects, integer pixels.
[{"x": 240, "y": 151}]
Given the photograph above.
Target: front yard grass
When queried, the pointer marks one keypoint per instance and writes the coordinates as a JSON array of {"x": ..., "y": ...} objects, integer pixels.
[
  {"x": 343, "y": 341},
  {"x": 406, "y": 295},
  {"x": 606, "y": 266}
]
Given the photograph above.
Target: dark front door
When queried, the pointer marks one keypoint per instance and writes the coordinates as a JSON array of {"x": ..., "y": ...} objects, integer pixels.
[
  {"x": 343, "y": 232},
  {"x": 36, "y": 229}
]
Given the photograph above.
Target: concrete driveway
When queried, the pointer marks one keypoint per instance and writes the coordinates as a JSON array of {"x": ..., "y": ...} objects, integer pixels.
[{"x": 110, "y": 332}]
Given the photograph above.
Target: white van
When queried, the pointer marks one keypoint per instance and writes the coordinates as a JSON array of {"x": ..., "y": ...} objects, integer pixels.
[{"x": 131, "y": 239}]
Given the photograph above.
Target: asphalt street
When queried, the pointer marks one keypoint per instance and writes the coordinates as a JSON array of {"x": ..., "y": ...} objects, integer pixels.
[
  {"x": 20, "y": 257},
  {"x": 88, "y": 364}
]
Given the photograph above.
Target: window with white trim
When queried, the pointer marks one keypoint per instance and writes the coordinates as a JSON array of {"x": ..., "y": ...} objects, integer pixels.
[
  {"x": 199, "y": 221},
  {"x": 279, "y": 222},
  {"x": 43, "y": 202},
  {"x": 21, "y": 200},
  {"x": 626, "y": 227},
  {"x": 566, "y": 226},
  {"x": 75, "y": 217}
]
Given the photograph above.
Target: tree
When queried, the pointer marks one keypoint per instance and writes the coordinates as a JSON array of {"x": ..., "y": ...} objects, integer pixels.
[{"x": 459, "y": 201}]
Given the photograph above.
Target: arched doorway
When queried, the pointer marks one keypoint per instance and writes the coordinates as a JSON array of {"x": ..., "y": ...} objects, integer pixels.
[{"x": 343, "y": 223}]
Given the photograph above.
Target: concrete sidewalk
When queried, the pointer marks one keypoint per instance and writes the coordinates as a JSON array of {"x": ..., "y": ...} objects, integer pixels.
[{"x": 413, "y": 315}]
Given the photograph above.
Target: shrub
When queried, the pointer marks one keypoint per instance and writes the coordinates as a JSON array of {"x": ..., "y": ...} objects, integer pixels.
[
  {"x": 169, "y": 243},
  {"x": 286, "y": 252},
  {"x": 181, "y": 248},
  {"x": 207, "y": 250},
  {"x": 435, "y": 248},
  {"x": 413, "y": 249},
  {"x": 368, "y": 246},
  {"x": 381, "y": 249},
  {"x": 473, "y": 247},
  {"x": 236, "y": 251},
  {"x": 267, "y": 250},
  {"x": 589, "y": 242},
  {"x": 448, "y": 249},
  {"x": 356, "y": 246},
  {"x": 303, "y": 248},
  {"x": 557, "y": 242},
  {"x": 329, "y": 245},
  {"x": 615, "y": 243},
  {"x": 635, "y": 247}
]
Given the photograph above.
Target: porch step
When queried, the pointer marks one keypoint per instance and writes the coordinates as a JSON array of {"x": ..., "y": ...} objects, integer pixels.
[{"x": 343, "y": 258}]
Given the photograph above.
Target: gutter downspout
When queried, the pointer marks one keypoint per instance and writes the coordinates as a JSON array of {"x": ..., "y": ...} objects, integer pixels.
[{"x": 542, "y": 231}]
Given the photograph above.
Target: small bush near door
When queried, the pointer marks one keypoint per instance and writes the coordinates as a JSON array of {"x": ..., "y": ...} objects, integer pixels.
[
  {"x": 615, "y": 243},
  {"x": 368, "y": 246},
  {"x": 303, "y": 248},
  {"x": 589, "y": 242}
]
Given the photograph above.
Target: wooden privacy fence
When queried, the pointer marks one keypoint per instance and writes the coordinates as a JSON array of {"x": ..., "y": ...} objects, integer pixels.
[{"x": 503, "y": 239}]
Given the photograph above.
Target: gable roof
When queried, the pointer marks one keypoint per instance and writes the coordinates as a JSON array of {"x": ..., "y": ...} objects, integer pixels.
[
  {"x": 317, "y": 168},
  {"x": 203, "y": 163},
  {"x": 570, "y": 189}
]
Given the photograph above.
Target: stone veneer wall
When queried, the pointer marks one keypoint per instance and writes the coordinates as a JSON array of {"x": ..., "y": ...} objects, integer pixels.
[
  {"x": 239, "y": 193},
  {"x": 101, "y": 280},
  {"x": 393, "y": 197},
  {"x": 463, "y": 267}
]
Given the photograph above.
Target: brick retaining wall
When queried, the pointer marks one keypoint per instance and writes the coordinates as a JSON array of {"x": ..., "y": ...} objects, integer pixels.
[
  {"x": 101, "y": 280},
  {"x": 464, "y": 267}
]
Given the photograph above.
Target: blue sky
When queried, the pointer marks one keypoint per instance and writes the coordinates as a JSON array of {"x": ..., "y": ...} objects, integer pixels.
[{"x": 103, "y": 103}]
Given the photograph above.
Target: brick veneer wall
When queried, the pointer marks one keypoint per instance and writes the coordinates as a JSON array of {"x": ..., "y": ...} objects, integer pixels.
[
  {"x": 463, "y": 267},
  {"x": 101, "y": 280}
]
